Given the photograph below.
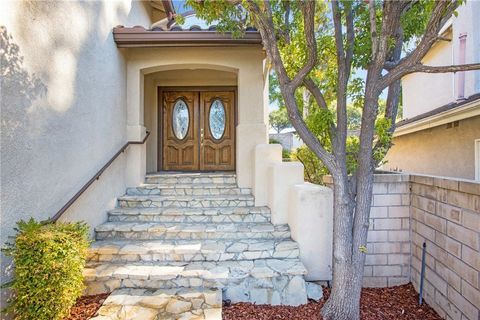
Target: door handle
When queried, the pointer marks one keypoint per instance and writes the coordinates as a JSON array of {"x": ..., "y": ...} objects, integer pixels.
[{"x": 201, "y": 135}]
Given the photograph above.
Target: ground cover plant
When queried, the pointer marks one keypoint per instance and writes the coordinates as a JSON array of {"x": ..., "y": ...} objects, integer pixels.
[{"x": 49, "y": 260}]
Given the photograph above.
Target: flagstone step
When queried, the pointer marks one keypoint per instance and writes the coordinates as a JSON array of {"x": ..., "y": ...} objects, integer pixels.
[
  {"x": 191, "y": 215},
  {"x": 191, "y": 178},
  {"x": 186, "y": 201},
  {"x": 273, "y": 281},
  {"x": 186, "y": 189},
  {"x": 191, "y": 250},
  {"x": 186, "y": 231},
  {"x": 145, "y": 304}
]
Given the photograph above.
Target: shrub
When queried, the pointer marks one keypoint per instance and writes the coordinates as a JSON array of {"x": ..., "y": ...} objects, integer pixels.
[
  {"x": 49, "y": 261},
  {"x": 313, "y": 167}
]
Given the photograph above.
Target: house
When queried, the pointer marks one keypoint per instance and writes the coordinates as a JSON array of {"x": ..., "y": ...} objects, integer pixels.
[
  {"x": 288, "y": 138},
  {"x": 156, "y": 135},
  {"x": 440, "y": 130}
]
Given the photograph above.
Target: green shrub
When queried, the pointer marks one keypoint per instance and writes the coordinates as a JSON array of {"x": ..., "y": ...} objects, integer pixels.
[
  {"x": 286, "y": 154},
  {"x": 49, "y": 261},
  {"x": 313, "y": 167}
]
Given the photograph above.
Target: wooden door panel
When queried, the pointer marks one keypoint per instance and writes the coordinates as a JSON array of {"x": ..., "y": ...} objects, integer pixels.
[
  {"x": 180, "y": 153},
  {"x": 217, "y": 152}
]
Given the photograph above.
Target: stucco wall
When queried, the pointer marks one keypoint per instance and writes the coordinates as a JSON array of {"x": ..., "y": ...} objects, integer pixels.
[
  {"x": 423, "y": 92},
  {"x": 437, "y": 151},
  {"x": 63, "y": 107},
  {"x": 246, "y": 63}
]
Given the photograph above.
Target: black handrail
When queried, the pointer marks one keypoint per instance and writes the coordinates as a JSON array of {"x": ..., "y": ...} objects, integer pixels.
[{"x": 95, "y": 177}]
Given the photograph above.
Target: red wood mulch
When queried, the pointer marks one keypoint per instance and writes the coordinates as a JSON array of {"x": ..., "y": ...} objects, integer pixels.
[
  {"x": 376, "y": 304},
  {"x": 399, "y": 302},
  {"x": 86, "y": 306}
]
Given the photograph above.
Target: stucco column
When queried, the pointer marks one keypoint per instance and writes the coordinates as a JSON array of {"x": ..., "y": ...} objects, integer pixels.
[
  {"x": 252, "y": 128},
  {"x": 310, "y": 217},
  {"x": 265, "y": 156}
]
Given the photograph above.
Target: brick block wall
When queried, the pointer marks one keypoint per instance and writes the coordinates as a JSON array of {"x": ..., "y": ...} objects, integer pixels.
[
  {"x": 388, "y": 249},
  {"x": 445, "y": 214}
]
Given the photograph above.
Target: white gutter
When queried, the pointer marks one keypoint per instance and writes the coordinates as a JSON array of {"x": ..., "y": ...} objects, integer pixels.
[{"x": 469, "y": 110}]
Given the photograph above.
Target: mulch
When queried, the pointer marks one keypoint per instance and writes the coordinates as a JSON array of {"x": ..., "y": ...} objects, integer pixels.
[
  {"x": 86, "y": 306},
  {"x": 394, "y": 303}
]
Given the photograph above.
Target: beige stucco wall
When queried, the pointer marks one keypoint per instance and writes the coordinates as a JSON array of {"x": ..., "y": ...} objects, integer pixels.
[
  {"x": 423, "y": 92},
  {"x": 63, "y": 107},
  {"x": 240, "y": 66},
  {"x": 437, "y": 151}
]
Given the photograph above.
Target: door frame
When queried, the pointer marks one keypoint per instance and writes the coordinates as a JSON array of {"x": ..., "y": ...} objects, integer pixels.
[{"x": 160, "y": 106}]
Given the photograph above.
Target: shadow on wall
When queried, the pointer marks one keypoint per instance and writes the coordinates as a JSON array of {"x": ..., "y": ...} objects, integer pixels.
[{"x": 18, "y": 89}]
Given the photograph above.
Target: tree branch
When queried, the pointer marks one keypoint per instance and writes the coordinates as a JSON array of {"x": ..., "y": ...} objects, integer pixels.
[
  {"x": 440, "y": 14},
  {"x": 373, "y": 26},
  {"x": 443, "y": 69},
  {"x": 316, "y": 92},
  {"x": 308, "y": 9}
]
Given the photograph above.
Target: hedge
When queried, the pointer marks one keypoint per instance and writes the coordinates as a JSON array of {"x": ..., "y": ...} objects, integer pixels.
[{"x": 48, "y": 276}]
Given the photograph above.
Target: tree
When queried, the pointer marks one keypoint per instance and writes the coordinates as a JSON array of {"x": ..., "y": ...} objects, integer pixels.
[
  {"x": 279, "y": 119},
  {"x": 299, "y": 37}
]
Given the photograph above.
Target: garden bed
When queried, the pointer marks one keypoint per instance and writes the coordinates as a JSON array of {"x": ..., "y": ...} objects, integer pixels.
[{"x": 399, "y": 302}]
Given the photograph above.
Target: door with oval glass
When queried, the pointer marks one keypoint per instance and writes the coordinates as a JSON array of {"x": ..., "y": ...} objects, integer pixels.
[{"x": 198, "y": 130}]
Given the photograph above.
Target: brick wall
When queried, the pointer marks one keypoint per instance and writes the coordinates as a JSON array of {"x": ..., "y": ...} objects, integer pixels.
[
  {"x": 445, "y": 213},
  {"x": 388, "y": 248}
]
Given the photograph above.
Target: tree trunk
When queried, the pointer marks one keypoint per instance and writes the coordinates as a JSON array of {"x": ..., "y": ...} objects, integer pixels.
[{"x": 344, "y": 302}]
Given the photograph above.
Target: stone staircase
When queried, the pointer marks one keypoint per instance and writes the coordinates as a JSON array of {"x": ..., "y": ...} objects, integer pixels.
[{"x": 180, "y": 243}]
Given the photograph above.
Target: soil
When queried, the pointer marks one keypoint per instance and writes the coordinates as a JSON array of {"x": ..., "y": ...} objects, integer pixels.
[{"x": 394, "y": 303}]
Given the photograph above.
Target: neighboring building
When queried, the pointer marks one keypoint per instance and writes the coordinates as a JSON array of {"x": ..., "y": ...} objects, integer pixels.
[
  {"x": 288, "y": 138},
  {"x": 440, "y": 132},
  {"x": 192, "y": 105}
]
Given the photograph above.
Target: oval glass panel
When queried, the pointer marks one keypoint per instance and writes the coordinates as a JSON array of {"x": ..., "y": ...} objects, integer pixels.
[
  {"x": 180, "y": 119},
  {"x": 216, "y": 119}
]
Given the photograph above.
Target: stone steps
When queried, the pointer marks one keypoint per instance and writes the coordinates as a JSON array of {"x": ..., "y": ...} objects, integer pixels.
[
  {"x": 186, "y": 189},
  {"x": 272, "y": 281},
  {"x": 144, "y": 304},
  {"x": 190, "y": 231},
  {"x": 191, "y": 250},
  {"x": 187, "y": 232},
  {"x": 191, "y": 178},
  {"x": 191, "y": 215},
  {"x": 186, "y": 201}
]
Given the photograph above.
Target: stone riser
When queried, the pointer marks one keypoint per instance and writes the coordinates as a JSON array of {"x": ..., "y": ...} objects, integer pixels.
[
  {"x": 153, "y": 235},
  {"x": 227, "y": 179},
  {"x": 289, "y": 290},
  {"x": 190, "y": 257},
  {"x": 189, "y": 211},
  {"x": 127, "y": 304},
  {"x": 230, "y": 218},
  {"x": 141, "y": 191},
  {"x": 148, "y": 203}
]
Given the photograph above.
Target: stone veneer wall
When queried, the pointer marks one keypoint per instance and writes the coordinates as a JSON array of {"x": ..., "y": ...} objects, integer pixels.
[{"x": 445, "y": 213}]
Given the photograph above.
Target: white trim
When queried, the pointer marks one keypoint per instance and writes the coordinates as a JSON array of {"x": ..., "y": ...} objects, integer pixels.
[
  {"x": 469, "y": 110},
  {"x": 477, "y": 159}
]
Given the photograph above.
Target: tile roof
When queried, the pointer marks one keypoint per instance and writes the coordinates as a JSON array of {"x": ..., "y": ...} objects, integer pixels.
[{"x": 139, "y": 36}]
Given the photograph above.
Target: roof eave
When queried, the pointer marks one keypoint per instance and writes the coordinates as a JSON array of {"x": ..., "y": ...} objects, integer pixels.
[{"x": 140, "y": 37}]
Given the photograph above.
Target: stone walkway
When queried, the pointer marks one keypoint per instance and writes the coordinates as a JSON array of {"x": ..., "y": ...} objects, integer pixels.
[{"x": 179, "y": 244}]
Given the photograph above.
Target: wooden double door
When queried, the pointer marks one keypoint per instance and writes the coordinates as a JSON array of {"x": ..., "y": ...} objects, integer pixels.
[{"x": 198, "y": 130}]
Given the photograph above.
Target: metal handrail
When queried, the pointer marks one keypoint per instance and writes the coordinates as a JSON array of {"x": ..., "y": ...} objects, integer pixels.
[{"x": 95, "y": 177}]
